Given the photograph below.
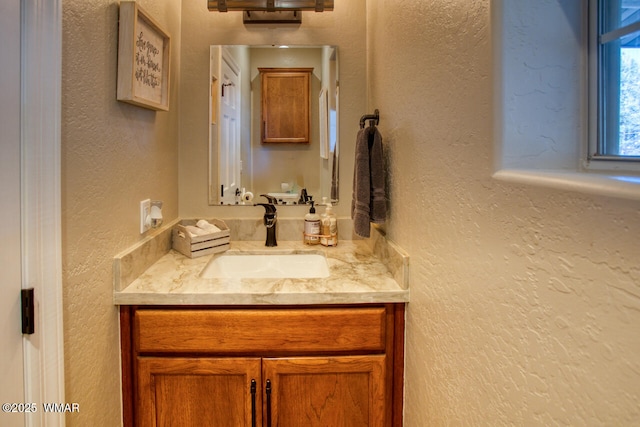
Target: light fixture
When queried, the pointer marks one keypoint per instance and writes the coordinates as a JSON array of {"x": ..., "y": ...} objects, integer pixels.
[
  {"x": 269, "y": 5},
  {"x": 270, "y": 11}
]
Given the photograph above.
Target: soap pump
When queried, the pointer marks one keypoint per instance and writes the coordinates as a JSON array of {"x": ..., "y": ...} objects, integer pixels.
[
  {"x": 312, "y": 226},
  {"x": 329, "y": 235}
]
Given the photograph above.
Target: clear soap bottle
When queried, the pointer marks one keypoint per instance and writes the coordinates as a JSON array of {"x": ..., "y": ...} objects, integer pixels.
[{"x": 329, "y": 232}]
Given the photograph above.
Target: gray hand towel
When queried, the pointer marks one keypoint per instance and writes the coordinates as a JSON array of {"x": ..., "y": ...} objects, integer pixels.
[
  {"x": 334, "y": 175},
  {"x": 378, "y": 208},
  {"x": 361, "y": 185},
  {"x": 368, "y": 203}
]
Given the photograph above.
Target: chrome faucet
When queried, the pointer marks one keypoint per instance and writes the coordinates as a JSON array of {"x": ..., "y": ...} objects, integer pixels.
[{"x": 270, "y": 219}]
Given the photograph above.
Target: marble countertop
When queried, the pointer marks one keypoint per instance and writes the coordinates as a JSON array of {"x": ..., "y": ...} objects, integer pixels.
[{"x": 360, "y": 272}]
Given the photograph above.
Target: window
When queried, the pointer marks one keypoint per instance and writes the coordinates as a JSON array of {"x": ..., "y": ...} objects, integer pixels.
[
  {"x": 540, "y": 80},
  {"x": 615, "y": 80}
]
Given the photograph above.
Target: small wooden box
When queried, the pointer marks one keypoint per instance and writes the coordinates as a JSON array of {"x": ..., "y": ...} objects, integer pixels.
[{"x": 197, "y": 246}]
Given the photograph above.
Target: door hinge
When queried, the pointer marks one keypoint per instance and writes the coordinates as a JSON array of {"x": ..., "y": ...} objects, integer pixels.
[{"x": 28, "y": 311}]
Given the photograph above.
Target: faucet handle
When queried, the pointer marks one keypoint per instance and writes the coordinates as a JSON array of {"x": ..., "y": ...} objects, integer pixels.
[
  {"x": 303, "y": 197},
  {"x": 269, "y": 208},
  {"x": 272, "y": 200}
]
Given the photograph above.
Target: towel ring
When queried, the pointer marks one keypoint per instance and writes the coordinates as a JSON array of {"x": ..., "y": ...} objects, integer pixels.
[{"x": 371, "y": 117}]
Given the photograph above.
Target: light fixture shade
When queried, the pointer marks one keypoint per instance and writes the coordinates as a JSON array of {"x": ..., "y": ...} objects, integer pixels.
[{"x": 269, "y": 5}]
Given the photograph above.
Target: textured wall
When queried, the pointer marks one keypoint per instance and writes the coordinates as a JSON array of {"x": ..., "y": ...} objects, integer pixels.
[
  {"x": 113, "y": 156},
  {"x": 525, "y": 302},
  {"x": 543, "y": 82}
]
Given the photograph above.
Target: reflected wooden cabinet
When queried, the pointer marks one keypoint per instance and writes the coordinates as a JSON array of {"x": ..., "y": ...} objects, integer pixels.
[
  {"x": 285, "y": 104},
  {"x": 311, "y": 366}
]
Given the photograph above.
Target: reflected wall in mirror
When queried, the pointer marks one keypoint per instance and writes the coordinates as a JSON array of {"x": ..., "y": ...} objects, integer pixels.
[{"x": 238, "y": 159}]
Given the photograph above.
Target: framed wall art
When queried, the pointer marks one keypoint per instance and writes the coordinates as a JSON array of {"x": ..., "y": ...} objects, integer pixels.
[{"x": 144, "y": 50}]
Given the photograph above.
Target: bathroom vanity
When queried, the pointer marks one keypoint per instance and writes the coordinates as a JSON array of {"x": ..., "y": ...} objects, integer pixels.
[
  {"x": 263, "y": 351},
  {"x": 244, "y": 366}
]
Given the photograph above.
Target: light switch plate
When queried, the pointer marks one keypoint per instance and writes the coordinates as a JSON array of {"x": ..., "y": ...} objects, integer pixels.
[{"x": 145, "y": 210}]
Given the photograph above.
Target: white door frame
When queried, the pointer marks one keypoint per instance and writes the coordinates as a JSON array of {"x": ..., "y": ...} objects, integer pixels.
[
  {"x": 11, "y": 338},
  {"x": 41, "y": 77}
]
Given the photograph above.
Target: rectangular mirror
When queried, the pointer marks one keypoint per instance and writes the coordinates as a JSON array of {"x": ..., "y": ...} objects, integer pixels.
[{"x": 239, "y": 161}]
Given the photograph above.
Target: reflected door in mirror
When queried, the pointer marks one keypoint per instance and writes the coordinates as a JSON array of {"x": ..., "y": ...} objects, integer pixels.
[{"x": 229, "y": 147}]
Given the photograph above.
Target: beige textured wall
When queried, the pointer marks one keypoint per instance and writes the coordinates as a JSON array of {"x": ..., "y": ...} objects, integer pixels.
[
  {"x": 345, "y": 27},
  {"x": 525, "y": 302},
  {"x": 113, "y": 156}
]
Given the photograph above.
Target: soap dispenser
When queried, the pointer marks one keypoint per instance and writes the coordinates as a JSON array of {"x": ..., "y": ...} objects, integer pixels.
[
  {"x": 329, "y": 227},
  {"x": 311, "y": 227}
]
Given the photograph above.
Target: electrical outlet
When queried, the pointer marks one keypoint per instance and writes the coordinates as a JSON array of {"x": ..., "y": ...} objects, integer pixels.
[{"x": 145, "y": 210}]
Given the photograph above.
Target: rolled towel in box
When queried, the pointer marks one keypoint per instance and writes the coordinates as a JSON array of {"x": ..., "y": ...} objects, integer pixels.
[
  {"x": 206, "y": 226},
  {"x": 196, "y": 231}
]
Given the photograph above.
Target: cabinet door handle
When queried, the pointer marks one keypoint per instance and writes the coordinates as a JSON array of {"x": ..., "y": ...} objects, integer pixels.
[
  {"x": 253, "y": 403},
  {"x": 268, "y": 391}
]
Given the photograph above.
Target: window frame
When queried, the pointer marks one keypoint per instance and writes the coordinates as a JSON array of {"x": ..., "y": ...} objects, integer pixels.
[{"x": 596, "y": 93}]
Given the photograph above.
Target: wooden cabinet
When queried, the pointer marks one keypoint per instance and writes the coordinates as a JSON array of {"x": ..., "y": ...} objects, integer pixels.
[
  {"x": 285, "y": 104},
  {"x": 327, "y": 391},
  {"x": 263, "y": 366},
  {"x": 187, "y": 391}
]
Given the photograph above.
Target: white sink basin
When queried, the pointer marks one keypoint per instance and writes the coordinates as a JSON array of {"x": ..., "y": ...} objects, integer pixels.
[{"x": 271, "y": 266}]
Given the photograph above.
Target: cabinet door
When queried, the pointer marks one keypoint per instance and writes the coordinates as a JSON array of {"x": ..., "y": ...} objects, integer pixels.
[
  {"x": 212, "y": 392},
  {"x": 325, "y": 391},
  {"x": 285, "y": 105}
]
